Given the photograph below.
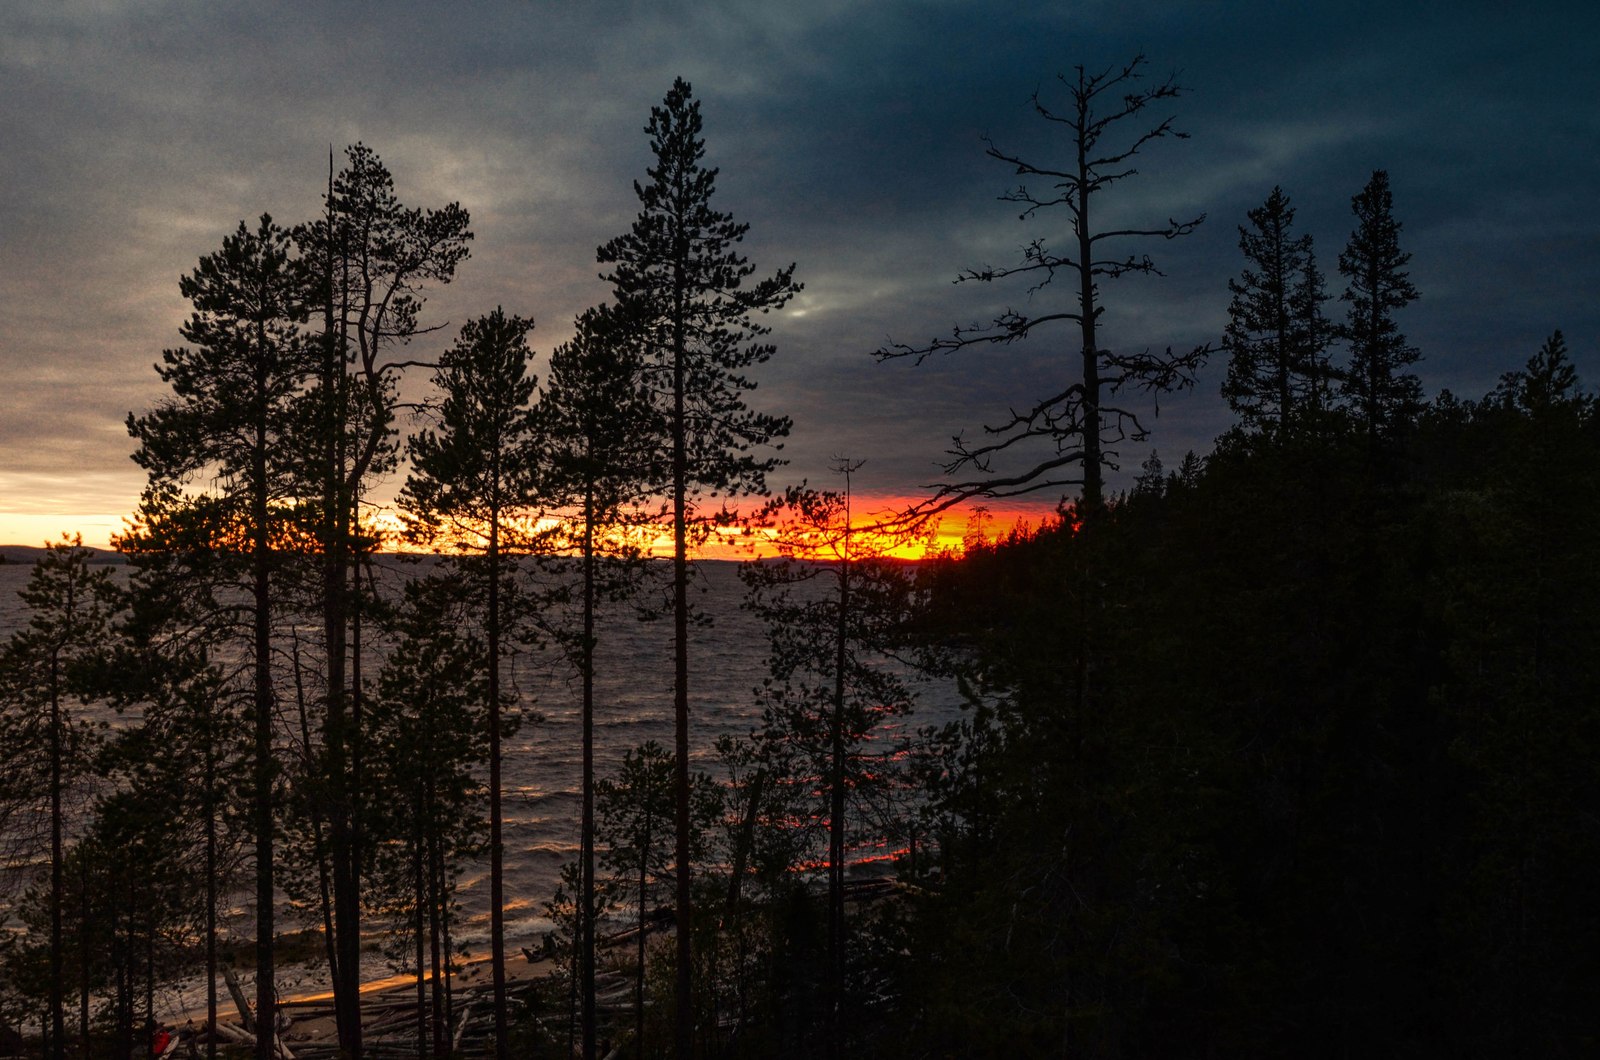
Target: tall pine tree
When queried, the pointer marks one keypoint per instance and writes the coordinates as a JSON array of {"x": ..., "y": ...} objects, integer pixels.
[
  {"x": 597, "y": 438},
  {"x": 373, "y": 259},
  {"x": 472, "y": 480},
  {"x": 232, "y": 411},
  {"x": 683, "y": 290}
]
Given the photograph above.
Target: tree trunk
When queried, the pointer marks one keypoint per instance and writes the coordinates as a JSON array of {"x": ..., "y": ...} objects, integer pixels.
[
  {"x": 262, "y": 706},
  {"x": 1093, "y": 494},
  {"x": 586, "y": 842},
  {"x": 836, "y": 819},
  {"x": 497, "y": 927},
  {"x": 211, "y": 894},
  {"x": 56, "y": 1002},
  {"x": 441, "y": 1039},
  {"x": 684, "y": 994},
  {"x": 419, "y": 892}
]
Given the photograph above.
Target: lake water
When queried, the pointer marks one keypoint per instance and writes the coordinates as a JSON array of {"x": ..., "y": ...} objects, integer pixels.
[{"x": 633, "y": 692}]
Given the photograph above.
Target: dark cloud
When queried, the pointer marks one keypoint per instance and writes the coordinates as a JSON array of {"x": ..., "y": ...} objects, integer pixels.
[{"x": 850, "y": 136}]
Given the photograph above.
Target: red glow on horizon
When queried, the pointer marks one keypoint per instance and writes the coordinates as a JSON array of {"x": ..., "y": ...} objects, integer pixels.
[{"x": 948, "y": 533}]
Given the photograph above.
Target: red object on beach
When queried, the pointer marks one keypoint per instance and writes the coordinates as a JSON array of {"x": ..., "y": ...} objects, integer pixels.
[{"x": 160, "y": 1041}]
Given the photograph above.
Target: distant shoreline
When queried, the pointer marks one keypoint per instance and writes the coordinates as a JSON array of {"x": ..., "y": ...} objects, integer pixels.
[{"x": 27, "y": 555}]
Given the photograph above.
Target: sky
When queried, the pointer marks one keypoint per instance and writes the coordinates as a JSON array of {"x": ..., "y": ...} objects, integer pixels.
[{"x": 136, "y": 134}]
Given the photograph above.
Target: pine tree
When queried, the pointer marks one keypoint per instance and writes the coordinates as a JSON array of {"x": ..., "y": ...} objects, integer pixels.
[
  {"x": 429, "y": 738},
  {"x": 231, "y": 414},
  {"x": 1275, "y": 333},
  {"x": 372, "y": 258},
  {"x": 473, "y": 480},
  {"x": 682, "y": 289},
  {"x": 1376, "y": 386},
  {"x": 635, "y": 814},
  {"x": 192, "y": 739},
  {"x": 69, "y": 608},
  {"x": 596, "y": 424}
]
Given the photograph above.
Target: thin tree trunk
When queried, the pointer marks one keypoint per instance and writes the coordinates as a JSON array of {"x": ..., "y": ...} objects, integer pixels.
[
  {"x": 836, "y": 816},
  {"x": 684, "y": 993},
  {"x": 338, "y": 499},
  {"x": 83, "y": 956},
  {"x": 441, "y": 1039},
  {"x": 263, "y": 773},
  {"x": 586, "y": 842},
  {"x": 319, "y": 843},
  {"x": 1092, "y": 490},
  {"x": 56, "y": 1001},
  {"x": 150, "y": 979},
  {"x": 449, "y": 954},
  {"x": 497, "y": 923},
  {"x": 419, "y": 925},
  {"x": 638, "y": 985},
  {"x": 211, "y": 894}
]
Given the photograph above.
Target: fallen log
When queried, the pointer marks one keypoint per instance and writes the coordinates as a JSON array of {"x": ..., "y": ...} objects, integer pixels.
[{"x": 246, "y": 1016}]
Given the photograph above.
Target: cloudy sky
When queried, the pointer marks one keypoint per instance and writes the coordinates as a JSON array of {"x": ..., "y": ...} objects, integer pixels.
[{"x": 135, "y": 134}]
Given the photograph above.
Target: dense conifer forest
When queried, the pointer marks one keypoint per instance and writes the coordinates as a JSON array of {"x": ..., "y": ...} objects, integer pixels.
[{"x": 1286, "y": 749}]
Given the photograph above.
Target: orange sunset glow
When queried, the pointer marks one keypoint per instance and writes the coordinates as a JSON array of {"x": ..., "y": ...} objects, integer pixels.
[{"x": 945, "y": 534}]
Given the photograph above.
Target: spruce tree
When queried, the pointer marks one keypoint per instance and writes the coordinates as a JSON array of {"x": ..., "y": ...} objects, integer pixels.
[
  {"x": 1376, "y": 387},
  {"x": 1275, "y": 334},
  {"x": 683, "y": 290}
]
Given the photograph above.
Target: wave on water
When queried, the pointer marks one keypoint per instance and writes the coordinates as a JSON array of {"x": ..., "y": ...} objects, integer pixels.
[{"x": 541, "y": 769}]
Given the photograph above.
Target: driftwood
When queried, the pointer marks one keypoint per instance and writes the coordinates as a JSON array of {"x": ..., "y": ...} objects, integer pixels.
[
  {"x": 244, "y": 1037},
  {"x": 461, "y": 1028},
  {"x": 246, "y": 1017}
]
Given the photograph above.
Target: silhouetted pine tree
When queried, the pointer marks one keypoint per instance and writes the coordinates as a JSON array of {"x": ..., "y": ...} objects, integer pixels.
[
  {"x": 833, "y": 607},
  {"x": 471, "y": 487},
  {"x": 232, "y": 414},
  {"x": 428, "y": 738},
  {"x": 41, "y": 670},
  {"x": 598, "y": 434},
  {"x": 683, "y": 290},
  {"x": 192, "y": 742},
  {"x": 372, "y": 259}
]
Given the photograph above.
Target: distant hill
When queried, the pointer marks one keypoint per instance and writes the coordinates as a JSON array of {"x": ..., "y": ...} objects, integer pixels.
[{"x": 27, "y": 554}]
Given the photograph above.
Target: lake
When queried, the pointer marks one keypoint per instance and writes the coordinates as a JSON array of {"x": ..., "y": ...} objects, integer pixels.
[{"x": 633, "y": 694}]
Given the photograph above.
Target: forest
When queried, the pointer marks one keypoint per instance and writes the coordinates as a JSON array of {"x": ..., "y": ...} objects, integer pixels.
[{"x": 1283, "y": 749}]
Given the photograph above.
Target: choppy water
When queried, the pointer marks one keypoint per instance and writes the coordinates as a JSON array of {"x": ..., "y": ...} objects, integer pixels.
[{"x": 633, "y": 692}]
